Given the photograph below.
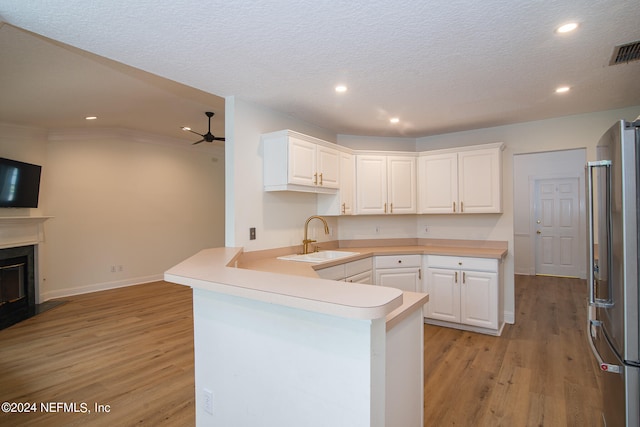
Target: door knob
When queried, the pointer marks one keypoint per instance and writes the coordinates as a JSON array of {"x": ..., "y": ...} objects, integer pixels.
[{"x": 538, "y": 232}]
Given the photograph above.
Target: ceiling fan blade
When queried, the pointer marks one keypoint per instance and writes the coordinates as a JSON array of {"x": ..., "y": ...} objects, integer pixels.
[
  {"x": 218, "y": 138},
  {"x": 189, "y": 130},
  {"x": 198, "y": 142}
]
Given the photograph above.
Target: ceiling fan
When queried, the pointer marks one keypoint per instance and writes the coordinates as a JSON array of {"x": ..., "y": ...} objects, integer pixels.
[{"x": 209, "y": 137}]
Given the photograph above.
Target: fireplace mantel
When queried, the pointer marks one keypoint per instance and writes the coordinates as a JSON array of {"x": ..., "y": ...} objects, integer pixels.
[{"x": 21, "y": 230}]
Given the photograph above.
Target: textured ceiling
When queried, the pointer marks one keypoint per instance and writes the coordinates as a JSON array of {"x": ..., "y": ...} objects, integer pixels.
[{"x": 438, "y": 66}]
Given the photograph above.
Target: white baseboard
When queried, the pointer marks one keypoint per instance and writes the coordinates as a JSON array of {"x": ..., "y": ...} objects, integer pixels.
[
  {"x": 96, "y": 287},
  {"x": 509, "y": 317}
]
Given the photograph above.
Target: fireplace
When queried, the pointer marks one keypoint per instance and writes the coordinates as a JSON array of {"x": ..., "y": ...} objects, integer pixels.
[{"x": 17, "y": 284}]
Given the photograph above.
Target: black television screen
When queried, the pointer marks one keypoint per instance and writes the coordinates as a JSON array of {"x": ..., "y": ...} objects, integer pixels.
[{"x": 19, "y": 184}]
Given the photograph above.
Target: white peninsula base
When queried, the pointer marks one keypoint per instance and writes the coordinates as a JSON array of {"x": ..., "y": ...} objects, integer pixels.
[{"x": 280, "y": 350}]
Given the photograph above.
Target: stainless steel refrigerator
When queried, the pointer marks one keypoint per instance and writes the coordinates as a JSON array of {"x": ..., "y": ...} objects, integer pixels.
[{"x": 613, "y": 204}]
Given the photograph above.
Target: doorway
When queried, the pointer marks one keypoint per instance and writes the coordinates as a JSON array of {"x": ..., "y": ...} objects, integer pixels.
[{"x": 549, "y": 187}]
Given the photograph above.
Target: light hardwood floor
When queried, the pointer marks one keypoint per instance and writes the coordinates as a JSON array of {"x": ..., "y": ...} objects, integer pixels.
[
  {"x": 132, "y": 349},
  {"x": 540, "y": 372}
]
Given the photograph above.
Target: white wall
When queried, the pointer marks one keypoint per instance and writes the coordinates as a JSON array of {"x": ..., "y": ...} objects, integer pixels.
[
  {"x": 376, "y": 143},
  {"x": 278, "y": 217},
  {"x": 121, "y": 200}
]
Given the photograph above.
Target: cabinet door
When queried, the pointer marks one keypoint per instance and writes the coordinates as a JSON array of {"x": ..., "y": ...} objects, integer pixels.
[
  {"x": 438, "y": 183},
  {"x": 328, "y": 167},
  {"x": 302, "y": 162},
  {"x": 365, "y": 278},
  {"x": 479, "y": 299},
  {"x": 444, "y": 294},
  {"x": 401, "y": 185},
  {"x": 371, "y": 184},
  {"x": 405, "y": 279},
  {"x": 480, "y": 185},
  {"x": 347, "y": 182}
]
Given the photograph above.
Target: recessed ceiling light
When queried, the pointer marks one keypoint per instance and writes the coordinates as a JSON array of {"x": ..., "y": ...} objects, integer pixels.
[
  {"x": 91, "y": 118},
  {"x": 186, "y": 128},
  {"x": 341, "y": 88},
  {"x": 394, "y": 120},
  {"x": 562, "y": 89},
  {"x": 567, "y": 28}
]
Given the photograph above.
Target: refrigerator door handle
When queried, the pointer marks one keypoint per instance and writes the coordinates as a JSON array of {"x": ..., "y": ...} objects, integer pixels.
[
  {"x": 604, "y": 366},
  {"x": 593, "y": 300}
]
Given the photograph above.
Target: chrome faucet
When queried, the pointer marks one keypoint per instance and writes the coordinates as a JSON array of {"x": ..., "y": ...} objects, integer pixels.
[{"x": 306, "y": 241}]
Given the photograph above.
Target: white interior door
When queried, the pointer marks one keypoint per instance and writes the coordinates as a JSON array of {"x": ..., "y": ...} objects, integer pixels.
[{"x": 556, "y": 226}]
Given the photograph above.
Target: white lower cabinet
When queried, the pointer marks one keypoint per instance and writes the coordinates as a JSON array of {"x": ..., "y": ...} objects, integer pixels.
[
  {"x": 402, "y": 272},
  {"x": 359, "y": 271},
  {"x": 464, "y": 293},
  {"x": 365, "y": 278}
]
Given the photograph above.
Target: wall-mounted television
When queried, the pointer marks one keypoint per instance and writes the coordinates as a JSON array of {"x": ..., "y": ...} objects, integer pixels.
[{"x": 19, "y": 184}]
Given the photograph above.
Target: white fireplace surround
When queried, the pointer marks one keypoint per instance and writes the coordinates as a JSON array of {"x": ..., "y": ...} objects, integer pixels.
[{"x": 18, "y": 231}]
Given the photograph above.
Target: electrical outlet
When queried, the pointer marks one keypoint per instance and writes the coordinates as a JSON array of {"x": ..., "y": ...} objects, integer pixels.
[
  {"x": 208, "y": 400},
  {"x": 252, "y": 233}
]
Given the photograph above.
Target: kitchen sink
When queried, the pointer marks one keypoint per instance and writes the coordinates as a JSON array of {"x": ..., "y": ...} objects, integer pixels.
[{"x": 318, "y": 256}]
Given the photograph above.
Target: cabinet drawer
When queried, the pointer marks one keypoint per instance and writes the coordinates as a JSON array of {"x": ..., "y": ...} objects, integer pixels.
[
  {"x": 396, "y": 261},
  {"x": 357, "y": 267},
  {"x": 463, "y": 263}
]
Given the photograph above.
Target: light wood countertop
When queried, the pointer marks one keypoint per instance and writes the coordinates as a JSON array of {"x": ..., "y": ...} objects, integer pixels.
[
  {"x": 263, "y": 277},
  {"x": 267, "y": 261}
]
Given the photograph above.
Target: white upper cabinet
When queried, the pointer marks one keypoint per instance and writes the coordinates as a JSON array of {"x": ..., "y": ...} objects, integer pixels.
[
  {"x": 480, "y": 180},
  {"x": 401, "y": 184},
  {"x": 301, "y": 162},
  {"x": 327, "y": 167},
  {"x": 450, "y": 181},
  {"x": 343, "y": 203},
  {"x": 461, "y": 181},
  {"x": 437, "y": 182},
  {"x": 347, "y": 183},
  {"x": 371, "y": 184},
  {"x": 297, "y": 162},
  {"x": 385, "y": 184}
]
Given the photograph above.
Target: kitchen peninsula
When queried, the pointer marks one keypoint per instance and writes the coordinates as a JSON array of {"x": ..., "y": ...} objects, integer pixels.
[{"x": 277, "y": 345}]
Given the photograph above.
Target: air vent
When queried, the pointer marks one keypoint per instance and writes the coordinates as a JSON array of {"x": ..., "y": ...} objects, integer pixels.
[{"x": 626, "y": 53}]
